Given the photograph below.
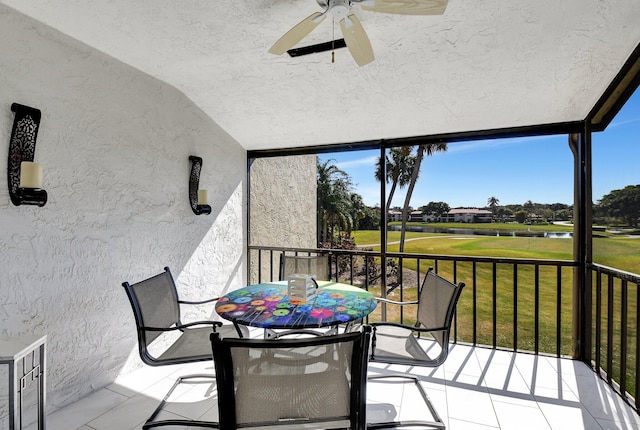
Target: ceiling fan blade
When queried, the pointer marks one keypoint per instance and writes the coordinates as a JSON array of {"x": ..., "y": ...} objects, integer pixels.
[
  {"x": 405, "y": 7},
  {"x": 357, "y": 40},
  {"x": 297, "y": 33}
]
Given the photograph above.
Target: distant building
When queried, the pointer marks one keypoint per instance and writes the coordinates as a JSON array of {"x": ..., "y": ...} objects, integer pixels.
[
  {"x": 395, "y": 216},
  {"x": 432, "y": 217},
  {"x": 416, "y": 216},
  {"x": 467, "y": 215},
  {"x": 454, "y": 215}
]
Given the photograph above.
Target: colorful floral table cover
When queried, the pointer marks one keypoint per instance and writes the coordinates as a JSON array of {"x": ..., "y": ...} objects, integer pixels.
[{"x": 267, "y": 305}]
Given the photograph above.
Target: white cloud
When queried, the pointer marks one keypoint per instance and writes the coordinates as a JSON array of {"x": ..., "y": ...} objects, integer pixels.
[
  {"x": 495, "y": 143},
  {"x": 365, "y": 161}
]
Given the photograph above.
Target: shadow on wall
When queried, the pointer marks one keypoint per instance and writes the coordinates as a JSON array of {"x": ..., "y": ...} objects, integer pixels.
[{"x": 115, "y": 144}]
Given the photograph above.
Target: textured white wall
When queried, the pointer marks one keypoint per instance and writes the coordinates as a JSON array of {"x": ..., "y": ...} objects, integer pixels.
[
  {"x": 283, "y": 208},
  {"x": 115, "y": 145}
]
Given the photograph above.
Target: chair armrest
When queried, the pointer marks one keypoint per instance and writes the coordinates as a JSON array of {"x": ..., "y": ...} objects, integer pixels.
[
  {"x": 408, "y": 327},
  {"x": 213, "y": 325},
  {"x": 394, "y": 302},
  {"x": 187, "y": 302}
]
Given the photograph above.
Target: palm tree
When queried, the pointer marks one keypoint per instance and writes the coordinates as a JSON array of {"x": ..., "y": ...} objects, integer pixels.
[
  {"x": 399, "y": 164},
  {"x": 492, "y": 202},
  {"x": 334, "y": 199},
  {"x": 430, "y": 149},
  {"x": 357, "y": 211}
]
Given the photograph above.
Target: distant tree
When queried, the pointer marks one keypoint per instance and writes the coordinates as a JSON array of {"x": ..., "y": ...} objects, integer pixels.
[
  {"x": 563, "y": 215},
  {"x": 558, "y": 207},
  {"x": 429, "y": 149},
  {"x": 493, "y": 202},
  {"x": 547, "y": 214},
  {"x": 521, "y": 215},
  {"x": 436, "y": 208},
  {"x": 561, "y": 211},
  {"x": 371, "y": 219},
  {"x": 528, "y": 206},
  {"x": 356, "y": 211},
  {"x": 334, "y": 199},
  {"x": 504, "y": 212},
  {"x": 600, "y": 213},
  {"x": 624, "y": 203},
  {"x": 399, "y": 163}
]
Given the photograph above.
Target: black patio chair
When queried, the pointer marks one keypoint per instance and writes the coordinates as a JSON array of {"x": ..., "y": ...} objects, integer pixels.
[
  {"x": 317, "y": 265},
  {"x": 302, "y": 383},
  {"x": 424, "y": 344},
  {"x": 156, "y": 308}
]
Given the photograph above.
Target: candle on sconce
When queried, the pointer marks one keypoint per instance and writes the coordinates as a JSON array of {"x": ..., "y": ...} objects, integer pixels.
[
  {"x": 30, "y": 175},
  {"x": 202, "y": 197}
]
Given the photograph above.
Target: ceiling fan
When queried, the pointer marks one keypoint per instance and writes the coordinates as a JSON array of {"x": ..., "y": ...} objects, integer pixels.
[{"x": 354, "y": 35}]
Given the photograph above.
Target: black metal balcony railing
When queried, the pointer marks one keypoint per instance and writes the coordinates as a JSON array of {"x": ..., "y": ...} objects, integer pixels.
[
  {"x": 523, "y": 305},
  {"x": 615, "y": 342},
  {"x": 507, "y": 303}
]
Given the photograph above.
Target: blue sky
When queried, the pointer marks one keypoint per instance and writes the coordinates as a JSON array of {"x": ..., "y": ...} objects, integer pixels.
[{"x": 514, "y": 171}]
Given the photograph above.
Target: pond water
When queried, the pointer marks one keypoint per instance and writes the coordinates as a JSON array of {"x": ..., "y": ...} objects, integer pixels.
[{"x": 485, "y": 232}]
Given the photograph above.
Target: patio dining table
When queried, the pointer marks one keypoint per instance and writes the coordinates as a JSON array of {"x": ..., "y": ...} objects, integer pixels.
[{"x": 268, "y": 305}]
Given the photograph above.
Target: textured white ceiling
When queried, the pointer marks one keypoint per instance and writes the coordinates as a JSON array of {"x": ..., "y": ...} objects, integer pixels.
[{"x": 484, "y": 64}]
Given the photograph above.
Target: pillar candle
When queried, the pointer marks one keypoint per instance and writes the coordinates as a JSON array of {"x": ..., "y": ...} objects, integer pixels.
[
  {"x": 30, "y": 175},
  {"x": 202, "y": 197}
]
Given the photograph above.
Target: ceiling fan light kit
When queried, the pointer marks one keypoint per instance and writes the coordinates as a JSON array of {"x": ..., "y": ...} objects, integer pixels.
[{"x": 353, "y": 32}]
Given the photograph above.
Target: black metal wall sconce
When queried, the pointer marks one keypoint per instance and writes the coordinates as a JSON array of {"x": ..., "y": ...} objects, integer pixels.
[
  {"x": 197, "y": 197},
  {"x": 25, "y": 176}
]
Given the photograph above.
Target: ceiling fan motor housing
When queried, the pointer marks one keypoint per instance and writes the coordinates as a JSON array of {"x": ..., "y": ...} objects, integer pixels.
[{"x": 336, "y": 8}]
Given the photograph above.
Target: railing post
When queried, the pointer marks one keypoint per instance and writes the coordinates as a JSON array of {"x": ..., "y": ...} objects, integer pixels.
[
  {"x": 580, "y": 145},
  {"x": 383, "y": 230}
]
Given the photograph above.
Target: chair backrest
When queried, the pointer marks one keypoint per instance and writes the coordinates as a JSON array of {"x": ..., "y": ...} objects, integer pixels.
[
  {"x": 437, "y": 305},
  {"x": 292, "y": 383},
  {"x": 317, "y": 265},
  {"x": 155, "y": 304}
]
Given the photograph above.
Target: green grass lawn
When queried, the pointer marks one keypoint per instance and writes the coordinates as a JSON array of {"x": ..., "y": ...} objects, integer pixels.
[
  {"x": 619, "y": 252},
  {"x": 496, "y": 226},
  {"x": 622, "y": 253}
]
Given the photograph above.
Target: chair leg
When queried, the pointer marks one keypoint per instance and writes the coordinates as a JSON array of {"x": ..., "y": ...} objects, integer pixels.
[
  {"x": 150, "y": 423},
  {"x": 437, "y": 422}
]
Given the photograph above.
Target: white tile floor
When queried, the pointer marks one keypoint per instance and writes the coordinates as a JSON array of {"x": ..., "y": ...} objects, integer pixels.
[{"x": 476, "y": 388}]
